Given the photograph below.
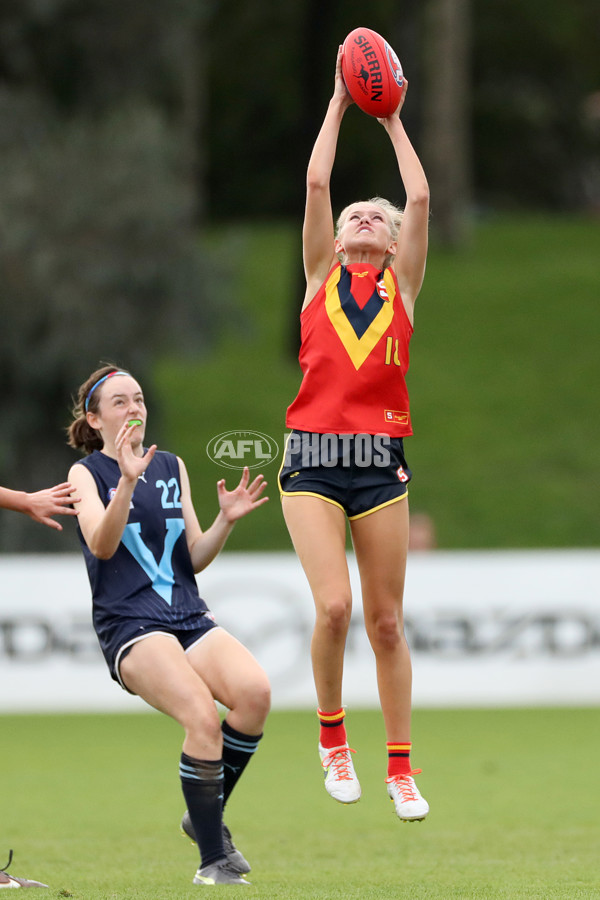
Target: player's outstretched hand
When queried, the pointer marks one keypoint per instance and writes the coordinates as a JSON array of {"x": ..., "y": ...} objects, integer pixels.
[
  {"x": 244, "y": 498},
  {"x": 54, "y": 501},
  {"x": 131, "y": 465}
]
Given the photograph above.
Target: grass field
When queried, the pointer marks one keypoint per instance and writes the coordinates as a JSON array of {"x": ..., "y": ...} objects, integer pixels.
[{"x": 91, "y": 805}]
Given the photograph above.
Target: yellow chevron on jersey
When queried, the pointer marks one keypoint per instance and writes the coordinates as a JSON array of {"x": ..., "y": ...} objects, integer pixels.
[{"x": 359, "y": 346}]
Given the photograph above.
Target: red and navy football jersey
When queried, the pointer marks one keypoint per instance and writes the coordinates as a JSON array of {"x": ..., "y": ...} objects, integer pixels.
[{"x": 354, "y": 356}]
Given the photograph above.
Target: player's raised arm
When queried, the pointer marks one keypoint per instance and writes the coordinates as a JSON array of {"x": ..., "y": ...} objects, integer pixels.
[
  {"x": 102, "y": 527},
  {"x": 412, "y": 244},
  {"x": 247, "y": 496},
  {"x": 318, "y": 230}
]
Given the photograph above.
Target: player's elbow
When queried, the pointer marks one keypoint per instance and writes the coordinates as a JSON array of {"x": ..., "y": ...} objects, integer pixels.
[
  {"x": 418, "y": 195},
  {"x": 316, "y": 182},
  {"x": 103, "y": 555},
  {"x": 101, "y": 551}
]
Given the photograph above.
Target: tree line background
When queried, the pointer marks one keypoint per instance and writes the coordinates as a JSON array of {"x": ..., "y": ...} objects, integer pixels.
[{"x": 128, "y": 130}]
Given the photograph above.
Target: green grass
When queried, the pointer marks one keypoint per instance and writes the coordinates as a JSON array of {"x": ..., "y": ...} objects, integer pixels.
[
  {"x": 91, "y": 805},
  {"x": 503, "y": 382}
]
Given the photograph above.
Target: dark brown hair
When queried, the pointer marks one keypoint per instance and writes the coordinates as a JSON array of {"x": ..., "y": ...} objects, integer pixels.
[{"x": 80, "y": 433}]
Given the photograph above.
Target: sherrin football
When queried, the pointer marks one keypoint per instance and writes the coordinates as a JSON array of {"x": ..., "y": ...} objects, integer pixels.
[{"x": 372, "y": 72}]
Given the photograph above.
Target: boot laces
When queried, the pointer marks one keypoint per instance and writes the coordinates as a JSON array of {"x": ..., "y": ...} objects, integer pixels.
[
  {"x": 340, "y": 760},
  {"x": 405, "y": 784}
]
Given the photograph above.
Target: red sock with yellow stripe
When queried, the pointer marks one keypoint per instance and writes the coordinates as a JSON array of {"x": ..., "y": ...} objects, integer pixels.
[
  {"x": 398, "y": 757},
  {"x": 333, "y": 730}
]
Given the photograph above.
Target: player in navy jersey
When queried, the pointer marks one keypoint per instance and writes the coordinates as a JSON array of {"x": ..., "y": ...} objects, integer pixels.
[
  {"x": 362, "y": 281},
  {"x": 143, "y": 544}
]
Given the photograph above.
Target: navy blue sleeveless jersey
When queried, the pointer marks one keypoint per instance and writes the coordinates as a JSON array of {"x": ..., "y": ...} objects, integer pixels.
[{"x": 149, "y": 583}]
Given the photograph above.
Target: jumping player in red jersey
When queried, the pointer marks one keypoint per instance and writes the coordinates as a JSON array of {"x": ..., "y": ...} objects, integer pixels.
[
  {"x": 142, "y": 544},
  {"x": 344, "y": 458}
]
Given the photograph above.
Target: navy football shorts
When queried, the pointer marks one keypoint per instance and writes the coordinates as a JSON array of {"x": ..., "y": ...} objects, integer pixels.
[
  {"x": 122, "y": 638},
  {"x": 360, "y": 473}
]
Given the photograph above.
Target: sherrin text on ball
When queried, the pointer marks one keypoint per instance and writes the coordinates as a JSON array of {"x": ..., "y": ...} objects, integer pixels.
[{"x": 372, "y": 72}]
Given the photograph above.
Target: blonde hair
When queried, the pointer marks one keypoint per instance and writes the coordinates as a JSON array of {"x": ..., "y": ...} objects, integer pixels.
[
  {"x": 80, "y": 433},
  {"x": 393, "y": 215}
]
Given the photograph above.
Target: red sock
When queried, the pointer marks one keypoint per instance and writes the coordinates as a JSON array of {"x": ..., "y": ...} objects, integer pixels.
[
  {"x": 333, "y": 730},
  {"x": 398, "y": 757}
]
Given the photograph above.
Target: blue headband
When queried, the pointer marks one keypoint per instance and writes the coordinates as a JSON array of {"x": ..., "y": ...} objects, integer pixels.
[{"x": 99, "y": 382}]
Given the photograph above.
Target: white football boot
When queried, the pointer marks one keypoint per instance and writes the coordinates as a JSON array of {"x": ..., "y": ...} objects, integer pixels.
[
  {"x": 410, "y": 806},
  {"x": 340, "y": 778}
]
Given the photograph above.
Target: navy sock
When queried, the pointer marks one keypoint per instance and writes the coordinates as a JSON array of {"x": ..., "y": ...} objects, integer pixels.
[
  {"x": 202, "y": 786},
  {"x": 237, "y": 753}
]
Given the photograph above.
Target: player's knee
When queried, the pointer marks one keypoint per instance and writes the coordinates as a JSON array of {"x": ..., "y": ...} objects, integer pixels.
[
  {"x": 385, "y": 633},
  {"x": 335, "y": 615},
  {"x": 254, "y": 699},
  {"x": 260, "y": 704},
  {"x": 202, "y": 722},
  {"x": 262, "y": 697}
]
